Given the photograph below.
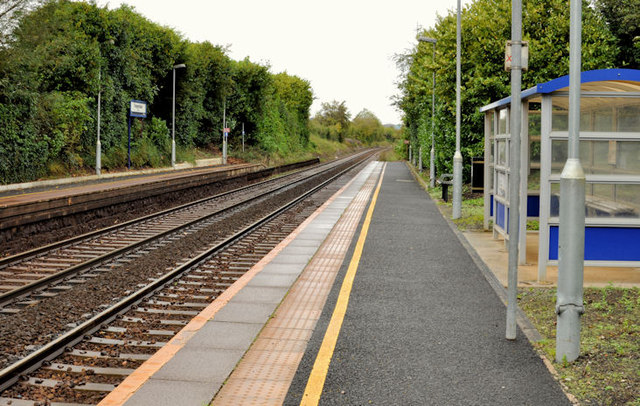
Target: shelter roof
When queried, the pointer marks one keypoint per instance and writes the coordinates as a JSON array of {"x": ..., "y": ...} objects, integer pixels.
[{"x": 601, "y": 80}]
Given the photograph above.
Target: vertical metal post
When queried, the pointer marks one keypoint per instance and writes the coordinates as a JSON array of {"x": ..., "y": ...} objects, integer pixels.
[
  {"x": 98, "y": 145},
  {"x": 173, "y": 122},
  {"x": 487, "y": 167},
  {"x": 410, "y": 158},
  {"x": 420, "y": 159},
  {"x": 457, "y": 157},
  {"x": 546, "y": 116},
  {"x": 129, "y": 145},
  {"x": 432, "y": 155},
  {"x": 242, "y": 137},
  {"x": 224, "y": 133},
  {"x": 569, "y": 305},
  {"x": 524, "y": 183},
  {"x": 514, "y": 166}
]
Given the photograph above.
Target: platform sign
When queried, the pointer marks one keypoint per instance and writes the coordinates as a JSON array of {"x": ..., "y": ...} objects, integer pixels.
[{"x": 138, "y": 108}]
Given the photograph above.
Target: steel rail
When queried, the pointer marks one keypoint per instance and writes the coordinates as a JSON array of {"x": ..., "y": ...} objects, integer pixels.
[{"x": 34, "y": 360}]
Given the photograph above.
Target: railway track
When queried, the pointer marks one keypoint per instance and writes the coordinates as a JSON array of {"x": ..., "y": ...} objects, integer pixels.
[
  {"x": 98, "y": 353},
  {"x": 89, "y": 255}
]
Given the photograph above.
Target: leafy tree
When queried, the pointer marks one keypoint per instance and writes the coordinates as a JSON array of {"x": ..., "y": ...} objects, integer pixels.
[
  {"x": 485, "y": 29},
  {"x": 366, "y": 127},
  {"x": 623, "y": 19},
  {"x": 297, "y": 96},
  {"x": 335, "y": 116}
]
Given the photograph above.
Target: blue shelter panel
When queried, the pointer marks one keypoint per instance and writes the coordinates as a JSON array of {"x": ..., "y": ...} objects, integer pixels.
[
  {"x": 533, "y": 206},
  {"x": 501, "y": 215},
  {"x": 603, "y": 243},
  {"x": 491, "y": 205}
]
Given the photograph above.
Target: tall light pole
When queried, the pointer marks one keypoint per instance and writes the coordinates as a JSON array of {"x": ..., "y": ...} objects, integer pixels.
[
  {"x": 98, "y": 144},
  {"x": 457, "y": 157},
  {"x": 432, "y": 164},
  {"x": 514, "y": 174},
  {"x": 569, "y": 305},
  {"x": 173, "y": 116}
]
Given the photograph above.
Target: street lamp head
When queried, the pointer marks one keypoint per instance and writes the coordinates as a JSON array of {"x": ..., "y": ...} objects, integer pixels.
[
  {"x": 427, "y": 39},
  {"x": 179, "y": 66}
]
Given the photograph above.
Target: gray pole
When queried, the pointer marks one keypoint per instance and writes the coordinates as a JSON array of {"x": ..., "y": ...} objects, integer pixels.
[
  {"x": 420, "y": 159},
  {"x": 242, "y": 137},
  {"x": 569, "y": 305},
  {"x": 224, "y": 132},
  {"x": 514, "y": 165},
  {"x": 457, "y": 157},
  {"x": 98, "y": 145},
  {"x": 173, "y": 116},
  {"x": 173, "y": 122},
  {"x": 432, "y": 163},
  {"x": 410, "y": 157}
]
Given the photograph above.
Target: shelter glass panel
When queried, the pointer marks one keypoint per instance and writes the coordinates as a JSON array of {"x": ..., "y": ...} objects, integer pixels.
[
  {"x": 492, "y": 126},
  {"x": 604, "y": 201},
  {"x": 502, "y": 153},
  {"x": 600, "y": 157},
  {"x": 600, "y": 114},
  {"x": 502, "y": 121}
]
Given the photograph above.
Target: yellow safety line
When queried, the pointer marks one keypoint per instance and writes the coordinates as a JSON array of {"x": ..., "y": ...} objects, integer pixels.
[{"x": 320, "y": 369}]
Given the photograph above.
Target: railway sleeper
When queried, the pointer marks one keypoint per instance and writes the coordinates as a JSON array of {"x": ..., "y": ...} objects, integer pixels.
[
  {"x": 97, "y": 370},
  {"x": 87, "y": 386},
  {"x": 128, "y": 343}
]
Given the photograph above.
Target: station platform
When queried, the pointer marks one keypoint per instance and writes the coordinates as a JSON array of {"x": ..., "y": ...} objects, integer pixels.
[{"x": 374, "y": 299}]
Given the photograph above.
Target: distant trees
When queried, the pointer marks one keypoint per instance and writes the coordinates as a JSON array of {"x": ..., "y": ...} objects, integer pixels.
[
  {"x": 59, "y": 55},
  {"x": 333, "y": 122},
  {"x": 367, "y": 128}
]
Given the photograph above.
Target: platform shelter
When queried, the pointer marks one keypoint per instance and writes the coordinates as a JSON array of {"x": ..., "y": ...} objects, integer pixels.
[{"x": 609, "y": 153}]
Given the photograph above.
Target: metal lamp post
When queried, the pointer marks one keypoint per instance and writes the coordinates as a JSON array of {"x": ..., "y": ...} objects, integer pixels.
[
  {"x": 173, "y": 116},
  {"x": 457, "y": 157},
  {"x": 514, "y": 175},
  {"x": 569, "y": 305},
  {"x": 432, "y": 165},
  {"x": 98, "y": 144}
]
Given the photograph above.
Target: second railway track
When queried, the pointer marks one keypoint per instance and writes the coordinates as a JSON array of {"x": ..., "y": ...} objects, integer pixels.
[{"x": 23, "y": 274}]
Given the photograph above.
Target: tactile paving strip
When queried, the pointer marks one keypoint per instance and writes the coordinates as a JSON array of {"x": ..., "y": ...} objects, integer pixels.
[{"x": 265, "y": 373}]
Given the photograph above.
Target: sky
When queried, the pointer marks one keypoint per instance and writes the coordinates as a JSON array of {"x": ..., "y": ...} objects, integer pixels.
[{"x": 344, "y": 48}]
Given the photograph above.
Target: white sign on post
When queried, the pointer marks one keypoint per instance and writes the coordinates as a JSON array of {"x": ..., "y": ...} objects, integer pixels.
[{"x": 524, "y": 59}]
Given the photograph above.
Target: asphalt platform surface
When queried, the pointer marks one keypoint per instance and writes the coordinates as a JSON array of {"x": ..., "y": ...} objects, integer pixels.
[{"x": 423, "y": 326}]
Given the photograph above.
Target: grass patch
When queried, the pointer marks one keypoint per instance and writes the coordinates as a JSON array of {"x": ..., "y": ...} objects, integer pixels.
[
  {"x": 389, "y": 155},
  {"x": 472, "y": 213},
  {"x": 608, "y": 369}
]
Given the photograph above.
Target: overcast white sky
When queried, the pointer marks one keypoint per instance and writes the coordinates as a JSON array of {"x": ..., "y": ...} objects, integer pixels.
[{"x": 343, "y": 47}]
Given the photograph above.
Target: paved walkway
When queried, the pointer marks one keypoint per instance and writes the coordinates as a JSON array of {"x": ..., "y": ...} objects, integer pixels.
[{"x": 423, "y": 326}]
